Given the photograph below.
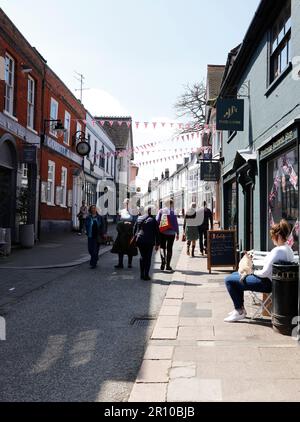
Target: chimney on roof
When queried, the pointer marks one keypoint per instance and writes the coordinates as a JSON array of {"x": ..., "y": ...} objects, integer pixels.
[
  {"x": 167, "y": 173},
  {"x": 186, "y": 160},
  {"x": 178, "y": 166}
]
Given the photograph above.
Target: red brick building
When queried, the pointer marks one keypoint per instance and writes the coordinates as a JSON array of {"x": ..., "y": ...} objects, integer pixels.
[
  {"x": 62, "y": 176},
  {"x": 32, "y": 153},
  {"x": 21, "y": 76}
]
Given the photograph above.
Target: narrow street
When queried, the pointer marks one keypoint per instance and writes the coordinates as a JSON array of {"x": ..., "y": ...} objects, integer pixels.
[{"x": 74, "y": 338}]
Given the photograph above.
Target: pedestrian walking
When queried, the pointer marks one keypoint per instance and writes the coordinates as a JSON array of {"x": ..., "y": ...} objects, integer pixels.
[
  {"x": 260, "y": 281},
  {"x": 169, "y": 230},
  {"x": 95, "y": 232},
  {"x": 123, "y": 244},
  {"x": 147, "y": 237},
  {"x": 190, "y": 228},
  {"x": 82, "y": 215},
  {"x": 208, "y": 223}
]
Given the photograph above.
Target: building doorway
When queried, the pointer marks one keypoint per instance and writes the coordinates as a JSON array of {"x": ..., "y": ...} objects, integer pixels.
[{"x": 8, "y": 185}]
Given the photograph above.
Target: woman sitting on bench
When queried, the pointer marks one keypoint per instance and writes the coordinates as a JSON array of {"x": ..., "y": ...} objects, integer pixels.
[{"x": 259, "y": 281}]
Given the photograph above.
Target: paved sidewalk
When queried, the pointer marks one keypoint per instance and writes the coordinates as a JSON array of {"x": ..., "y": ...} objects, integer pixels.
[
  {"x": 53, "y": 251},
  {"x": 193, "y": 356}
]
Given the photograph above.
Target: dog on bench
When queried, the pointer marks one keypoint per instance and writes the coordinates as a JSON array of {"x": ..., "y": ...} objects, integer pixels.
[{"x": 246, "y": 265}]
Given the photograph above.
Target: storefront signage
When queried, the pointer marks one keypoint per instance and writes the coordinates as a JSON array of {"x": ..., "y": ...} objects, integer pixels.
[
  {"x": 210, "y": 171},
  {"x": 230, "y": 115},
  {"x": 29, "y": 154},
  {"x": 15, "y": 128},
  {"x": 60, "y": 149},
  {"x": 278, "y": 143}
]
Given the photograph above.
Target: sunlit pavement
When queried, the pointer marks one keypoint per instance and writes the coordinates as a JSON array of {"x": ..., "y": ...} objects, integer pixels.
[{"x": 193, "y": 356}]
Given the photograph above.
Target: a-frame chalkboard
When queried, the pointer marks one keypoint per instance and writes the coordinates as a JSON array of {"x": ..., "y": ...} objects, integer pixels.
[{"x": 221, "y": 249}]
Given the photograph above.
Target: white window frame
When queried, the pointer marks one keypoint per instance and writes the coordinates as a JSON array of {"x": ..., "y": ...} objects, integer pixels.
[
  {"x": 53, "y": 102},
  {"x": 52, "y": 191},
  {"x": 64, "y": 186},
  {"x": 30, "y": 102},
  {"x": 67, "y": 126},
  {"x": 78, "y": 127},
  {"x": 9, "y": 85}
]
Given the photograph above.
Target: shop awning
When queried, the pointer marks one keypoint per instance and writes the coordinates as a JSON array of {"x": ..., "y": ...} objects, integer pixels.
[{"x": 244, "y": 157}]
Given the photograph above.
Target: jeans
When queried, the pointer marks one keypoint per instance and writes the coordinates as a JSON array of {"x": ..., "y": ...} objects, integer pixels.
[
  {"x": 93, "y": 247},
  {"x": 166, "y": 243},
  {"x": 145, "y": 260},
  {"x": 252, "y": 283}
]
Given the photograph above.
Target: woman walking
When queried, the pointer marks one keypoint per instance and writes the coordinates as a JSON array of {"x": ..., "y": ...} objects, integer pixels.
[
  {"x": 190, "y": 229},
  {"x": 147, "y": 237},
  {"x": 123, "y": 245},
  {"x": 169, "y": 230},
  {"x": 95, "y": 232},
  {"x": 82, "y": 215},
  {"x": 259, "y": 281}
]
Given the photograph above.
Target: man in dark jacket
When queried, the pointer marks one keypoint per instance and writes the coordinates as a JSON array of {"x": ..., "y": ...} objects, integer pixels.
[
  {"x": 208, "y": 223},
  {"x": 147, "y": 236},
  {"x": 95, "y": 231}
]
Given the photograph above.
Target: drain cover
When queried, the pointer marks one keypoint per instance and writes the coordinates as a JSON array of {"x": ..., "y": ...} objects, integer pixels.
[{"x": 142, "y": 321}]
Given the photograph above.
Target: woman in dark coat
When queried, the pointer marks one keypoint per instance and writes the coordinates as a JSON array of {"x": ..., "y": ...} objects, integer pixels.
[
  {"x": 147, "y": 236},
  {"x": 122, "y": 245}
]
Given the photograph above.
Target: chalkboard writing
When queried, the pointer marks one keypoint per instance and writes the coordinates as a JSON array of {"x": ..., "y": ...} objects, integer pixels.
[{"x": 221, "y": 251}]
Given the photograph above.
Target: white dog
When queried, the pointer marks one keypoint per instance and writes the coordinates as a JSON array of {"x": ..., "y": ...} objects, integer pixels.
[{"x": 246, "y": 265}]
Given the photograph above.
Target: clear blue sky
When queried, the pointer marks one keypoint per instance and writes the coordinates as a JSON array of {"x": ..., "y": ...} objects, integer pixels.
[{"x": 139, "y": 51}]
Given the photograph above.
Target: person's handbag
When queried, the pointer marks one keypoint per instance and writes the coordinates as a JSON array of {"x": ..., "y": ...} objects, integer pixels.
[
  {"x": 165, "y": 223},
  {"x": 132, "y": 242}
]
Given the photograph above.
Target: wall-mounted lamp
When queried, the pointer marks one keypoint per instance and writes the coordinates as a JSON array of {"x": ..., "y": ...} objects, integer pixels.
[{"x": 25, "y": 68}]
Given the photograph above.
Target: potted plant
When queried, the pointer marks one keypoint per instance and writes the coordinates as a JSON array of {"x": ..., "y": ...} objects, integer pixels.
[{"x": 26, "y": 229}]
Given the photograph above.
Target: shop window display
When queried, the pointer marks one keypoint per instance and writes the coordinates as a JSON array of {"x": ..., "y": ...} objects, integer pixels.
[{"x": 283, "y": 194}]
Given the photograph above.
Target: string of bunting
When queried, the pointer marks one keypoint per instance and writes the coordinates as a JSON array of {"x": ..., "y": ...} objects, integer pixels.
[
  {"x": 129, "y": 151},
  {"x": 152, "y": 125}
]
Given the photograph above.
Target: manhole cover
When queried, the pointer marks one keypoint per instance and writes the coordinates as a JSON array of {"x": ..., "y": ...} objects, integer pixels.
[{"x": 142, "y": 321}]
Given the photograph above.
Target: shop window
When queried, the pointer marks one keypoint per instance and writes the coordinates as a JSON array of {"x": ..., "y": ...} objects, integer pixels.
[
  {"x": 230, "y": 204},
  {"x": 281, "y": 43},
  {"x": 24, "y": 171},
  {"x": 283, "y": 194}
]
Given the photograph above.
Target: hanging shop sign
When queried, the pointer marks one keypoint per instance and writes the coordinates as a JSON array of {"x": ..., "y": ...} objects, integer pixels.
[
  {"x": 210, "y": 171},
  {"x": 29, "y": 154},
  {"x": 280, "y": 142},
  {"x": 230, "y": 115}
]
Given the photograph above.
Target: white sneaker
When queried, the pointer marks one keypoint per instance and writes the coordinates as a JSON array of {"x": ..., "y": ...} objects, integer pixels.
[
  {"x": 235, "y": 316},
  {"x": 232, "y": 312}
]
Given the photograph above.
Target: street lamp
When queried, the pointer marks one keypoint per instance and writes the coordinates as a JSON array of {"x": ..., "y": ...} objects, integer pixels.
[{"x": 58, "y": 128}]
